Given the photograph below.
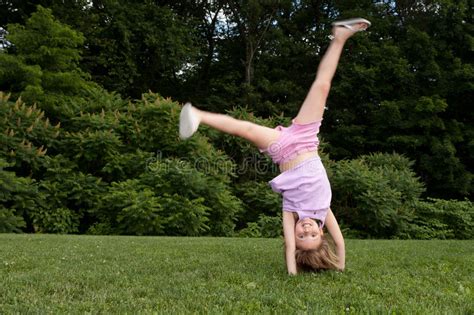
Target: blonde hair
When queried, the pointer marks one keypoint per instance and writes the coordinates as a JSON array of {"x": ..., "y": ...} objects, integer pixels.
[
  {"x": 316, "y": 260},
  {"x": 319, "y": 259}
]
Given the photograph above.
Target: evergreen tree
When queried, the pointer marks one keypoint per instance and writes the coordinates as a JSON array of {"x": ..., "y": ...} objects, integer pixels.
[{"x": 44, "y": 67}]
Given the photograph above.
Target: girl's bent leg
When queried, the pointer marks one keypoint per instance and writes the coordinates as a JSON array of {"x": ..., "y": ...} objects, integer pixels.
[{"x": 260, "y": 136}]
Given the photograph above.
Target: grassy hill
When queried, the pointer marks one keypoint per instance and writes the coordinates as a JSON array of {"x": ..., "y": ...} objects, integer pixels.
[{"x": 104, "y": 274}]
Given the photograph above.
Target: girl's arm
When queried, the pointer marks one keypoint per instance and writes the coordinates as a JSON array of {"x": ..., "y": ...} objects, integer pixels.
[
  {"x": 335, "y": 231},
  {"x": 290, "y": 246}
]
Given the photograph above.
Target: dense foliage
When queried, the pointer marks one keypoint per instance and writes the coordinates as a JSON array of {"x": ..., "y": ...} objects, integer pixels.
[{"x": 75, "y": 158}]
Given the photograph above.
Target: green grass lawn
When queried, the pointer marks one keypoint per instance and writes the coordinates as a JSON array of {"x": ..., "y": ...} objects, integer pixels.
[{"x": 105, "y": 274}]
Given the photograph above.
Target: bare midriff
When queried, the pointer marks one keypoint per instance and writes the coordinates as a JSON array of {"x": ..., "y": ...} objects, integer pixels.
[{"x": 297, "y": 160}]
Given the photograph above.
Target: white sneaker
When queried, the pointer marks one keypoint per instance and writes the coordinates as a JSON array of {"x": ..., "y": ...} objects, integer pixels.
[
  {"x": 351, "y": 22},
  {"x": 188, "y": 122}
]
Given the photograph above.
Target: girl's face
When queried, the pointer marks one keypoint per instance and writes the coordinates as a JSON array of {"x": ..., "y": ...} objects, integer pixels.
[{"x": 308, "y": 234}]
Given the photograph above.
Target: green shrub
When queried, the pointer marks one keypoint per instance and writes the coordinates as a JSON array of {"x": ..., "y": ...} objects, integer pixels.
[
  {"x": 129, "y": 165},
  {"x": 252, "y": 230},
  {"x": 63, "y": 186},
  {"x": 91, "y": 149},
  {"x": 374, "y": 194},
  {"x": 67, "y": 197},
  {"x": 10, "y": 222},
  {"x": 258, "y": 198},
  {"x": 442, "y": 219},
  {"x": 54, "y": 220},
  {"x": 174, "y": 177},
  {"x": 132, "y": 208},
  {"x": 16, "y": 197},
  {"x": 184, "y": 216},
  {"x": 116, "y": 143},
  {"x": 270, "y": 226},
  {"x": 399, "y": 172},
  {"x": 26, "y": 135},
  {"x": 363, "y": 199},
  {"x": 129, "y": 208},
  {"x": 265, "y": 226}
]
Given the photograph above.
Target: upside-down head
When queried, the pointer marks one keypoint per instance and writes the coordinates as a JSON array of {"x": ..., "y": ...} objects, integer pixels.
[
  {"x": 313, "y": 250},
  {"x": 319, "y": 259}
]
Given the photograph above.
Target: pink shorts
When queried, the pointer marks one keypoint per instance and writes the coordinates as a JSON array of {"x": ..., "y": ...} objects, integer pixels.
[
  {"x": 294, "y": 140},
  {"x": 305, "y": 189}
]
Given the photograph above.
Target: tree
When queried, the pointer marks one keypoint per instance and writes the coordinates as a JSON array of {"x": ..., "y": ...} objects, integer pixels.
[
  {"x": 403, "y": 87},
  {"x": 44, "y": 66},
  {"x": 136, "y": 47}
]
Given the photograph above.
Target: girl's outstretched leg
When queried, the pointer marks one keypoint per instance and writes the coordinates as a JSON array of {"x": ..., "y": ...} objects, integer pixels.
[
  {"x": 191, "y": 117},
  {"x": 313, "y": 106}
]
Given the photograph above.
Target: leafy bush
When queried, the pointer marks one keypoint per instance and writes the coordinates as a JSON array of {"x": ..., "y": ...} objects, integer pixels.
[
  {"x": 54, "y": 220},
  {"x": 10, "y": 221},
  {"x": 132, "y": 208},
  {"x": 374, "y": 194},
  {"x": 258, "y": 198},
  {"x": 129, "y": 208},
  {"x": 184, "y": 216},
  {"x": 64, "y": 186},
  {"x": 115, "y": 145},
  {"x": 265, "y": 226},
  {"x": 26, "y": 135},
  {"x": 129, "y": 165},
  {"x": 14, "y": 199},
  {"x": 442, "y": 219},
  {"x": 207, "y": 197},
  {"x": 399, "y": 172},
  {"x": 91, "y": 149}
]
